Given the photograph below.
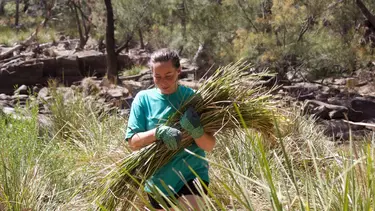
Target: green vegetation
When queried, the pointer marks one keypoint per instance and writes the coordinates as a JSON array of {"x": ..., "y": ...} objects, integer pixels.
[
  {"x": 133, "y": 71},
  {"x": 60, "y": 165},
  {"x": 318, "y": 38},
  {"x": 52, "y": 166}
]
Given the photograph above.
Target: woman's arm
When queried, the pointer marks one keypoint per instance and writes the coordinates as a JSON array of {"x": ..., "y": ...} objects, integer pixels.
[
  {"x": 142, "y": 139},
  {"x": 206, "y": 142}
]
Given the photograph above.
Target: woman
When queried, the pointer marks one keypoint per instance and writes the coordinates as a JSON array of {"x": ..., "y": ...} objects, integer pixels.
[{"x": 150, "y": 110}]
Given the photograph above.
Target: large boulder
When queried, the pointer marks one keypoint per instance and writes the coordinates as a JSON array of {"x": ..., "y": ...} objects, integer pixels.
[
  {"x": 361, "y": 109},
  {"x": 68, "y": 66}
]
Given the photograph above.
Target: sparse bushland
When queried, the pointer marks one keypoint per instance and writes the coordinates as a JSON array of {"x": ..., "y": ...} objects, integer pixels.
[{"x": 60, "y": 170}]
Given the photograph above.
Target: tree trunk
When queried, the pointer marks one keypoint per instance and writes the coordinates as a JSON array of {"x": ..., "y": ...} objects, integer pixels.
[
  {"x": 82, "y": 41},
  {"x": 26, "y": 5},
  {"x": 140, "y": 34},
  {"x": 17, "y": 13},
  {"x": 110, "y": 44},
  {"x": 370, "y": 17},
  {"x": 183, "y": 24},
  {"x": 2, "y": 5}
]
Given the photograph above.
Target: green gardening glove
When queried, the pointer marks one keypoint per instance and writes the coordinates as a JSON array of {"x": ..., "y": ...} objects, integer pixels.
[
  {"x": 191, "y": 122},
  {"x": 169, "y": 135}
]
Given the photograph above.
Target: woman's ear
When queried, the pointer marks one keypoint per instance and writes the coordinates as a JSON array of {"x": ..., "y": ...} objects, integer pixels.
[{"x": 179, "y": 70}]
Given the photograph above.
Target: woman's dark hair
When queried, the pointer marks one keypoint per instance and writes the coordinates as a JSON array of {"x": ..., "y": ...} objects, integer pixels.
[{"x": 165, "y": 55}]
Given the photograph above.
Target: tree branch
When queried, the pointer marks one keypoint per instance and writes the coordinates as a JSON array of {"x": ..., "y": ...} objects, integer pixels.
[
  {"x": 124, "y": 44},
  {"x": 246, "y": 16},
  {"x": 370, "y": 17}
]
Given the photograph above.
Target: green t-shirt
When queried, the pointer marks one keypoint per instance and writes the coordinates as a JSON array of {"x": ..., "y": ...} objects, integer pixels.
[{"x": 151, "y": 108}]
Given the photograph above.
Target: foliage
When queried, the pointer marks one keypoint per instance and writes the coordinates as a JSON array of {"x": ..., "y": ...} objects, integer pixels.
[
  {"x": 51, "y": 163},
  {"x": 318, "y": 37}
]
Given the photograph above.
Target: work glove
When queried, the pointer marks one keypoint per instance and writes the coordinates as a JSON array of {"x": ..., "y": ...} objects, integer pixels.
[
  {"x": 190, "y": 121},
  {"x": 169, "y": 135}
]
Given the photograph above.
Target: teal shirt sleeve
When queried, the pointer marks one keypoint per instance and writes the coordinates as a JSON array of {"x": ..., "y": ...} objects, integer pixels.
[{"x": 137, "y": 118}]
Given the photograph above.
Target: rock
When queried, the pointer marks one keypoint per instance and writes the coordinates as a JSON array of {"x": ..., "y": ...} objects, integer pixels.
[
  {"x": 303, "y": 88},
  {"x": 9, "y": 110},
  {"x": 68, "y": 93},
  {"x": 92, "y": 63},
  {"x": 20, "y": 97},
  {"x": 68, "y": 66},
  {"x": 309, "y": 96},
  {"x": 133, "y": 86},
  {"x": 337, "y": 114},
  {"x": 36, "y": 89},
  {"x": 28, "y": 73},
  {"x": 339, "y": 130},
  {"x": 117, "y": 92},
  {"x": 64, "y": 46},
  {"x": 367, "y": 89},
  {"x": 139, "y": 57},
  {"x": 44, "y": 124},
  {"x": 21, "y": 90},
  {"x": 50, "y": 67},
  {"x": 43, "y": 93},
  {"x": 5, "y": 97},
  {"x": 105, "y": 83},
  {"x": 89, "y": 87},
  {"x": 364, "y": 75},
  {"x": 146, "y": 78},
  {"x": 333, "y": 100},
  {"x": 322, "y": 97},
  {"x": 323, "y": 110},
  {"x": 363, "y": 108}
]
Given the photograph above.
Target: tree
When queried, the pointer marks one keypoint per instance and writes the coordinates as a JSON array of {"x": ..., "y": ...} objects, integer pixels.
[
  {"x": 133, "y": 18},
  {"x": 2, "y": 5},
  {"x": 17, "y": 13},
  {"x": 26, "y": 5},
  {"x": 82, "y": 21},
  {"x": 110, "y": 44}
]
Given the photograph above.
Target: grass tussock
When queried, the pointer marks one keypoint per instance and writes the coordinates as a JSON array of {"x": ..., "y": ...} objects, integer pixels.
[
  {"x": 61, "y": 168},
  {"x": 56, "y": 167}
]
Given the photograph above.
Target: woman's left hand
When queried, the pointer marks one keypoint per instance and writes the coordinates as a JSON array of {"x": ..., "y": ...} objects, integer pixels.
[{"x": 190, "y": 121}]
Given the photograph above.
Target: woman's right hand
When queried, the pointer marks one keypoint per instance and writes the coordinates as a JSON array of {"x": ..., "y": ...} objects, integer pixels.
[{"x": 169, "y": 135}]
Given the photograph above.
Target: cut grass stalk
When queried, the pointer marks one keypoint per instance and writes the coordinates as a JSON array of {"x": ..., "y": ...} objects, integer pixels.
[{"x": 218, "y": 101}]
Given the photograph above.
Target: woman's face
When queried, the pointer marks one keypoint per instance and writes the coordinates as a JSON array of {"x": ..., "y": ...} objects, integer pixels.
[{"x": 165, "y": 76}]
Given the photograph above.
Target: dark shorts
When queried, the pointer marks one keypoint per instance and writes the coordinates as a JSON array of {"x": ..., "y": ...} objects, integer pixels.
[{"x": 187, "y": 189}]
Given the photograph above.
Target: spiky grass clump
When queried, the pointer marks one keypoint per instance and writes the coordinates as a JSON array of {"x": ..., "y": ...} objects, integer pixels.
[{"x": 226, "y": 102}]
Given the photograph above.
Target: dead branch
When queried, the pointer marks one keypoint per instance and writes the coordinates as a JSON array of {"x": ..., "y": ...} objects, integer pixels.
[{"x": 368, "y": 125}]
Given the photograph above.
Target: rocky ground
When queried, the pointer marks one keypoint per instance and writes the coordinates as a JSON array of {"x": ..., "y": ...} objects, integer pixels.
[{"x": 337, "y": 103}]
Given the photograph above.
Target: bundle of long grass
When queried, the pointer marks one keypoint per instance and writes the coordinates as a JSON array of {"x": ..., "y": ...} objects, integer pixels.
[{"x": 226, "y": 102}]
